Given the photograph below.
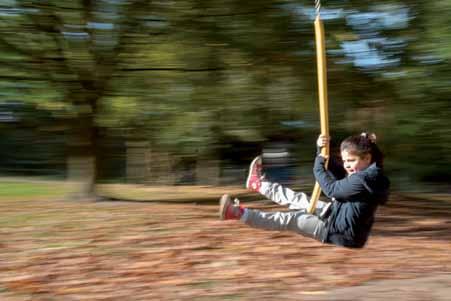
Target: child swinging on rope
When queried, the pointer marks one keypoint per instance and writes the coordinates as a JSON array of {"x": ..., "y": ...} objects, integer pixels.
[{"x": 345, "y": 221}]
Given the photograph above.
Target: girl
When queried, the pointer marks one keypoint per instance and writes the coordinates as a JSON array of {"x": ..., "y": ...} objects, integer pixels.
[{"x": 345, "y": 221}]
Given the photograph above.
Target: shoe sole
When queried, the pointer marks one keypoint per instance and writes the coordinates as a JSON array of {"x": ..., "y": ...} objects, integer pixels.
[
  {"x": 251, "y": 167},
  {"x": 225, "y": 200}
]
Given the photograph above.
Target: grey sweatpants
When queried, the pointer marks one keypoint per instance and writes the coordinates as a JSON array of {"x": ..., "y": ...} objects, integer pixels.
[{"x": 298, "y": 221}]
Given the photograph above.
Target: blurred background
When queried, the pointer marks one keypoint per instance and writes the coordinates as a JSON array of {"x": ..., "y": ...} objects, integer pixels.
[{"x": 186, "y": 92}]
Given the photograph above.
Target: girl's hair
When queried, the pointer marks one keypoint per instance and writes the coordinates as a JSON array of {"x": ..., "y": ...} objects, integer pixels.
[{"x": 362, "y": 145}]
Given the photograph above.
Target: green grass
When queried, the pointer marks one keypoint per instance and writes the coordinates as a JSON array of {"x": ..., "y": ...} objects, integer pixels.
[{"x": 31, "y": 189}]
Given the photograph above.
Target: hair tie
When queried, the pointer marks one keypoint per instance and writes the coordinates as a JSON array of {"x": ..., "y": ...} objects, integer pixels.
[{"x": 371, "y": 137}]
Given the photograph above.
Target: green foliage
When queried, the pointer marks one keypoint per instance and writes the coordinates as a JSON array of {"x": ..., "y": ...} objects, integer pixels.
[{"x": 188, "y": 75}]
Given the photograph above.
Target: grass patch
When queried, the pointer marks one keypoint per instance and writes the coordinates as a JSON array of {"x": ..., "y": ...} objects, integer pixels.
[{"x": 32, "y": 190}]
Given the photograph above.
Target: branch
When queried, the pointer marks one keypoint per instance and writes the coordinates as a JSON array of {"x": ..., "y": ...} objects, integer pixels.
[
  {"x": 10, "y": 47},
  {"x": 248, "y": 13},
  {"x": 107, "y": 65},
  {"x": 174, "y": 69},
  {"x": 50, "y": 23},
  {"x": 20, "y": 78}
]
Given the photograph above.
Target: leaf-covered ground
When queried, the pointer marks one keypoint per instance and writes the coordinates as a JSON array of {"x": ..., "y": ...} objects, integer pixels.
[{"x": 112, "y": 250}]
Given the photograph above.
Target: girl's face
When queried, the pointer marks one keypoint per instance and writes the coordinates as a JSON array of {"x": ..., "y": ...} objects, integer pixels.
[{"x": 353, "y": 163}]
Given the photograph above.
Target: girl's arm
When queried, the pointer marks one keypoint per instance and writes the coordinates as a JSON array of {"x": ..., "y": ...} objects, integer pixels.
[
  {"x": 339, "y": 189},
  {"x": 335, "y": 169}
]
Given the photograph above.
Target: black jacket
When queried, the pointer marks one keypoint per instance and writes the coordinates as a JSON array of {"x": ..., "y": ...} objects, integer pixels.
[{"x": 356, "y": 198}]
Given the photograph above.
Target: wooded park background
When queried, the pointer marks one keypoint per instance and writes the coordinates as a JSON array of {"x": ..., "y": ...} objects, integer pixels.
[
  {"x": 187, "y": 92},
  {"x": 166, "y": 103}
]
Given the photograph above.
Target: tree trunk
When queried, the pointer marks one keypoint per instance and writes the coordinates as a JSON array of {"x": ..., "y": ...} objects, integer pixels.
[
  {"x": 80, "y": 175},
  {"x": 82, "y": 156}
]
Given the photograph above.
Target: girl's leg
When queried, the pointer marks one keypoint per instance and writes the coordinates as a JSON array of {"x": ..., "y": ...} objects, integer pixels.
[
  {"x": 285, "y": 196},
  {"x": 297, "y": 221},
  {"x": 276, "y": 192}
]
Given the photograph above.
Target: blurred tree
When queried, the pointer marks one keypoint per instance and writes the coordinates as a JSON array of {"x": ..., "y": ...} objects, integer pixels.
[
  {"x": 418, "y": 45},
  {"x": 66, "y": 53},
  {"x": 183, "y": 76},
  {"x": 179, "y": 81}
]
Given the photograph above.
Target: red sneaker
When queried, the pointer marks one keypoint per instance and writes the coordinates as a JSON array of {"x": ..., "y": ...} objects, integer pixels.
[
  {"x": 253, "y": 181},
  {"x": 229, "y": 209}
]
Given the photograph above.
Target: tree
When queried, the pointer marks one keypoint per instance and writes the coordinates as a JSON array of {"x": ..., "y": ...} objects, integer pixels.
[{"x": 72, "y": 49}]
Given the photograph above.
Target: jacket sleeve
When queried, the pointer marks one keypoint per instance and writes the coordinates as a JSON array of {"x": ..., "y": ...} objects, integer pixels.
[
  {"x": 334, "y": 167},
  {"x": 342, "y": 189}
]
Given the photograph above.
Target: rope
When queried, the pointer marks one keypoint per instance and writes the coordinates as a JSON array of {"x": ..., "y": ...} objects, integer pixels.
[{"x": 318, "y": 6}]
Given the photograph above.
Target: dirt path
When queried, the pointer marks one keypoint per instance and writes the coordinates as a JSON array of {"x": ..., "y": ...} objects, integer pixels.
[
  {"x": 436, "y": 288},
  {"x": 59, "y": 250}
]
